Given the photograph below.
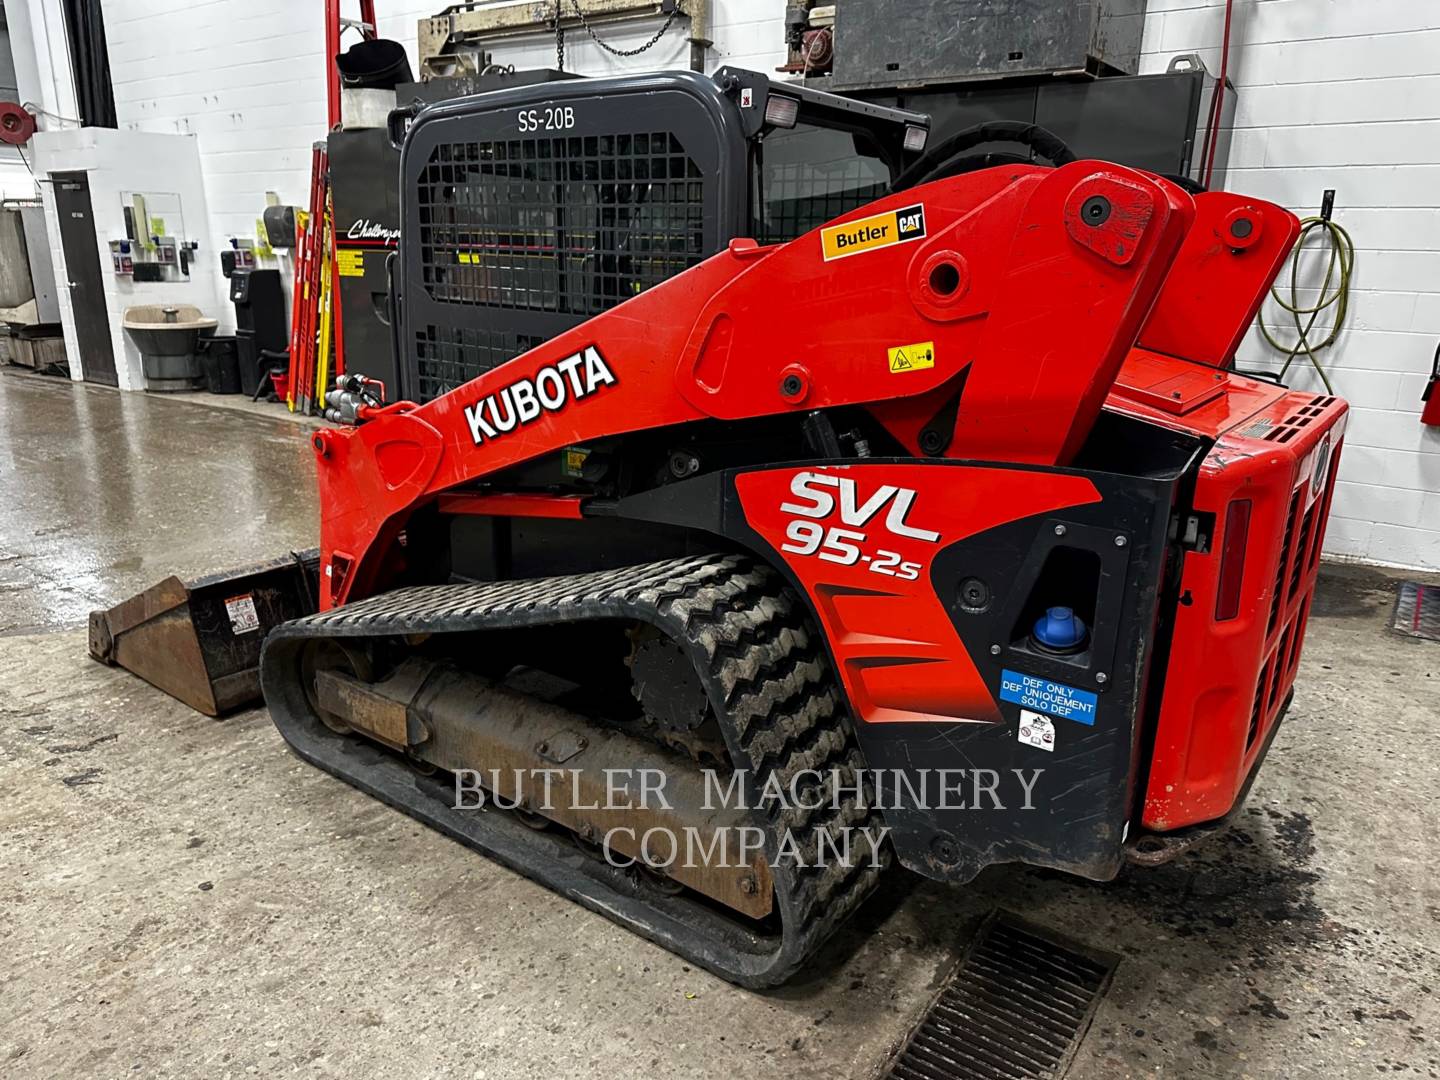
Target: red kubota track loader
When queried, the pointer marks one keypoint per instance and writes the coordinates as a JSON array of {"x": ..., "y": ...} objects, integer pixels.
[{"x": 748, "y": 443}]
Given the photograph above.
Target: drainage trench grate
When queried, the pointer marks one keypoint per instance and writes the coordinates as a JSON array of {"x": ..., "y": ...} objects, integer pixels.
[
  {"x": 1417, "y": 610},
  {"x": 1015, "y": 1008}
]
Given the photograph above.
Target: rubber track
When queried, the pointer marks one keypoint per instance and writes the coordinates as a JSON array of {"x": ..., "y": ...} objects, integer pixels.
[{"x": 770, "y": 685}]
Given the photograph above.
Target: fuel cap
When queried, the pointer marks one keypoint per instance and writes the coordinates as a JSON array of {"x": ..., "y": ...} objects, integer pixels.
[{"x": 1060, "y": 630}]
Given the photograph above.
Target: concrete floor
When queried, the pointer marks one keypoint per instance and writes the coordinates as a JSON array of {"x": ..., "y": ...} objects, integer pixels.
[{"x": 183, "y": 897}]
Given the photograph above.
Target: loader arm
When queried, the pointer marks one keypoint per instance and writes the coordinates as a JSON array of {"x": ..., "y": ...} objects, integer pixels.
[{"x": 982, "y": 317}]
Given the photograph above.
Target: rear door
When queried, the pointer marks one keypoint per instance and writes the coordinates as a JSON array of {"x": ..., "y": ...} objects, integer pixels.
[{"x": 82, "y": 264}]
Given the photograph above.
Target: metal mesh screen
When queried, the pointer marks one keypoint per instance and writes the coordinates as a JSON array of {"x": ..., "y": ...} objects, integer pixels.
[
  {"x": 811, "y": 176},
  {"x": 449, "y": 356},
  {"x": 571, "y": 225}
]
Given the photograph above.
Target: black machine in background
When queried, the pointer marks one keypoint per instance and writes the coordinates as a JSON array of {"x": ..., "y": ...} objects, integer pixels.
[
  {"x": 1157, "y": 122},
  {"x": 880, "y": 43},
  {"x": 365, "y": 170},
  {"x": 262, "y": 333}
]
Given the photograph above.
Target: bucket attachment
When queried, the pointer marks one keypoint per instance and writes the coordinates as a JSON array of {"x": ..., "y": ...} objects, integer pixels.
[{"x": 199, "y": 640}]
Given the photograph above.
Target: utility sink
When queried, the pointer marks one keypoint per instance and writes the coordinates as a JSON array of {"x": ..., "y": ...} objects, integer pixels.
[{"x": 168, "y": 337}]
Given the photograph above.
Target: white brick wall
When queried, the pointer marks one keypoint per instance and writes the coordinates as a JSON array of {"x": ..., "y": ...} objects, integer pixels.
[
  {"x": 1343, "y": 94},
  {"x": 1332, "y": 93},
  {"x": 249, "y": 80},
  {"x": 117, "y": 162}
]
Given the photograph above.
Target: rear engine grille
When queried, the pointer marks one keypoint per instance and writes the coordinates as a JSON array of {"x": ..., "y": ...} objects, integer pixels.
[
  {"x": 1300, "y": 558},
  {"x": 1255, "y": 712},
  {"x": 1294, "y": 659},
  {"x": 1285, "y": 553},
  {"x": 1299, "y": 420},
  {"x": 1290, "y": 604},
  {"x": 1278, "y": 670}
]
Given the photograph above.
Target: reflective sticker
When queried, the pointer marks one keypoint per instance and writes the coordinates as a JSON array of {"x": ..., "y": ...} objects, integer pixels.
[
  {"x": 1037, "y": 730},
  {"x": 915, "y": 357},
  {"x": 1057, "y": 699}
]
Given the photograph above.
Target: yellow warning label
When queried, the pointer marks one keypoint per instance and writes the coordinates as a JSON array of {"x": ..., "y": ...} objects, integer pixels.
[
  {"x": 575, "y": 458},
  {"x": 876, "y": 231},
  {"x": 469, "y": 258},
  {"x": 912, "y": 357},
  {"x": 352, "y": 262}
]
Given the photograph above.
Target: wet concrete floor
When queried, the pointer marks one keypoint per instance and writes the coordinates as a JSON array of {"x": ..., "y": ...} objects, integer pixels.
[
  {"x": 105, "y": 493},
  {"x": 183, "y": 897}
]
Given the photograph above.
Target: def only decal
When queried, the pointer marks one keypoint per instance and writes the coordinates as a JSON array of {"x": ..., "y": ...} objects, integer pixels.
[
  {"x": 549, "y": 390},
  {"x": 1048, "y": 696},
  {"x": 873, "y": 232}
]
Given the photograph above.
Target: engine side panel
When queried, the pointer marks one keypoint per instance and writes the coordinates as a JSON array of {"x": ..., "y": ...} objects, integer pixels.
[{"x": 945, "y": 683}]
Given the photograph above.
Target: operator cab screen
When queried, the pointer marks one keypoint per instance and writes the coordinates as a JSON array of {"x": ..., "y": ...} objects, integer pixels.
[{"x": 809, "y": 175}]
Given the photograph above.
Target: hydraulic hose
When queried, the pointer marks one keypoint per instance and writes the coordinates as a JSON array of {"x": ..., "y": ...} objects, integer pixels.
[
  {"x": 1338, "y": 268},
  {"x": 941, "y": 160}
]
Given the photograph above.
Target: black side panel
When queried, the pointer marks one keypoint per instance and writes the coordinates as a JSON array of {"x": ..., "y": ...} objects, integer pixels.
[
  {"x": 365, "y": 172},
  {"x": 528, "y": 211},
  {"x": 1158, "y": 122},
  {"x": 1106, "y": 561},
  {"x": 1077, "y": 815}
]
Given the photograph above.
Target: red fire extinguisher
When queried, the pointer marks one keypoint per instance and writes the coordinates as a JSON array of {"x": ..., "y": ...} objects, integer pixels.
[{"x": 1431, "y": 397}]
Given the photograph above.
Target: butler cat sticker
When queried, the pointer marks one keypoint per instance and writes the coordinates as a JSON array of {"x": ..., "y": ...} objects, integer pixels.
[{"x": 873, "y": 232}]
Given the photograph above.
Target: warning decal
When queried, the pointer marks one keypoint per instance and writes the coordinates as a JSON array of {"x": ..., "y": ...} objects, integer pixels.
[
  {"x": 574, "y": 460},
  {"x": 350, "y": 262},
  {"x": 243, "y": 617},
  {"x": 1057, "y": 699},
  {"x": 915, "y": 357},
  {"x": 1036, "y": 730},
  {"x": 876, "y": 231}
]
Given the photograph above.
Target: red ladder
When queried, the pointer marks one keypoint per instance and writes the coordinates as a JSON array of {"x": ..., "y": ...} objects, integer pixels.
[
  {"x": 315, "y": 242},
  {"x": 335, "y": 25}
]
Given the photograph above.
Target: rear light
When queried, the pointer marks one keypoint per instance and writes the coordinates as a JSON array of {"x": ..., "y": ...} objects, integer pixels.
[
  {"x": 782, "y": 111},
  {"x": 1322, "y": 464},
  {"x": 1232, "y": 560}
]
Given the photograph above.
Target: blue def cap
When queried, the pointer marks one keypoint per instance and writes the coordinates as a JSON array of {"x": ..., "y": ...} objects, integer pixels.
[{"x": 1060, "y": 628}]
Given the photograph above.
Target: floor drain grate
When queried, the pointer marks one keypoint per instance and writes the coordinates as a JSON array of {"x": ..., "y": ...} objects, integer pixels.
[
  {"x": 1417, "y": 610},
  {"x": 1015, "y": 1008}
]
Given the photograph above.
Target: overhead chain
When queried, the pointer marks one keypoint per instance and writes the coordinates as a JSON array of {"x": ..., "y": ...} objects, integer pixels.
[
  {"x": 675, "y": 11},
  {"x": 559, "y": 40}
]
